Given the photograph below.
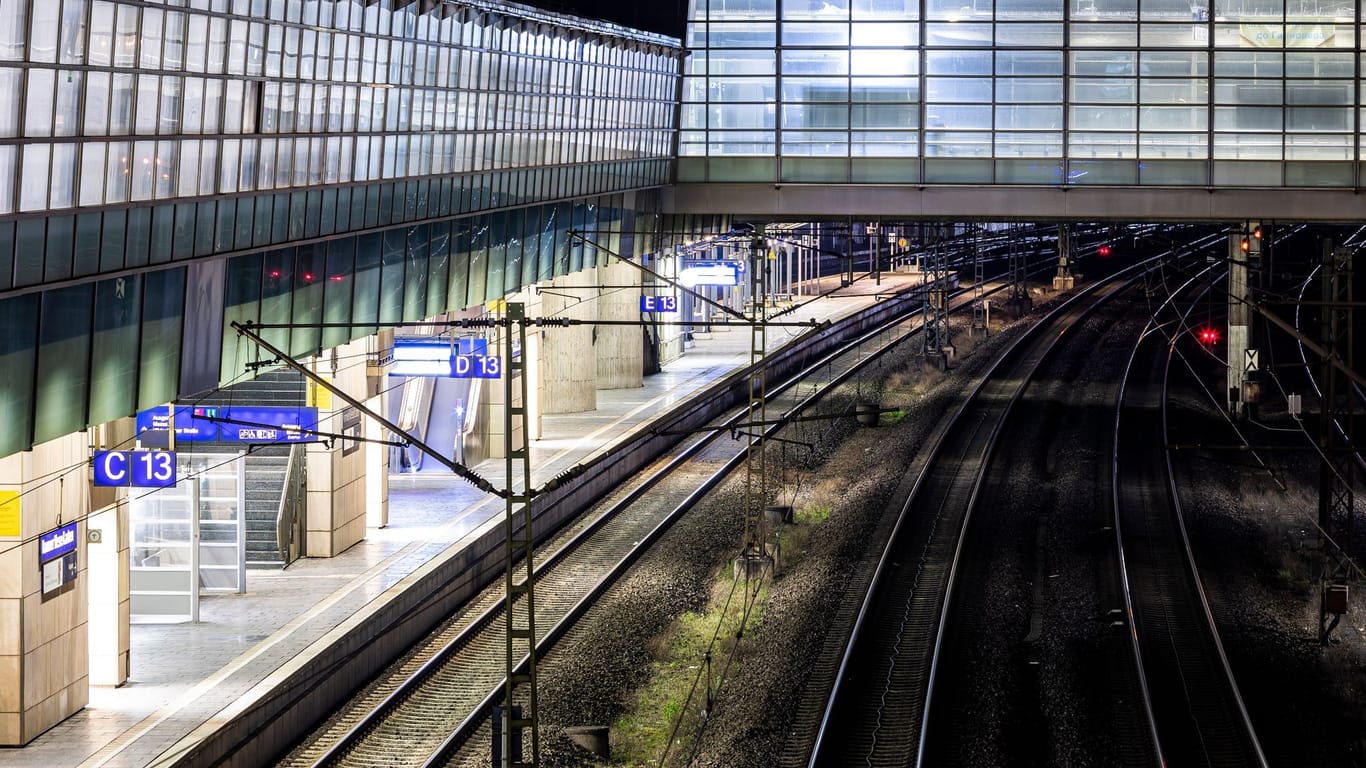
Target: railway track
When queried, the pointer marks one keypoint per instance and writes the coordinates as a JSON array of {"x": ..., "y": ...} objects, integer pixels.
[
  {"x": 1198, "y": 713},
  {"x": 876, "y": 711},
  {"x": 428, "y": 707},
  {"x": 1032, "y": 664}
]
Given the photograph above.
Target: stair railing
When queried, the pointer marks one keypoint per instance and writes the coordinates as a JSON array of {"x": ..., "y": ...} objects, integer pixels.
[{"x": 289, "y": 521}]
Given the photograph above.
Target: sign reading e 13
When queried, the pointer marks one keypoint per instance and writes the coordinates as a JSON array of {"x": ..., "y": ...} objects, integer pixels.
[
  {"x": 658, "y": 303},
  {"x": 141, "y": 469}
]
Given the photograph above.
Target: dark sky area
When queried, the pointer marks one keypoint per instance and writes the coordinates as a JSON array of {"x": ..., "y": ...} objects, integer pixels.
[{"x": 662, "y": 16}]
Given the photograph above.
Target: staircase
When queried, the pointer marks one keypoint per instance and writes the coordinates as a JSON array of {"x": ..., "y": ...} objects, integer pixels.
[
  {"x": 265, "y": 470},
  {"x": 265, "y": 484}
]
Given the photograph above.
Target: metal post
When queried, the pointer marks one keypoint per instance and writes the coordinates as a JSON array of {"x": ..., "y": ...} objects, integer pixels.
[
  {"x": 1237, "y": 319},
  {"x": 1062, "y": 281},
  {"x": 755, "y": 554},
  {"x": 979, "y": 279},
  {"x": 518, "y": 545},
  {"x": 194, "y": 551},
  {"x": 1336, "y": 439},
  {"x": 934, "y": 310}
]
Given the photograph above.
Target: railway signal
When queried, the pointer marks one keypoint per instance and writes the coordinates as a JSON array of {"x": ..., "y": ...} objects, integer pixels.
[
  {"x": 1103, "y": 251},
  {"x": 1208, "y": 336}
]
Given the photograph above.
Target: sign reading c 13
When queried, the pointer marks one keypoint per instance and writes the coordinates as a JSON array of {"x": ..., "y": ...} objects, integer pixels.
[{"x": 140, "y": 469}]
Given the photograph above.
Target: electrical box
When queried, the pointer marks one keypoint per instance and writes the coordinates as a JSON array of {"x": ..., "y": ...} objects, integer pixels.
[{"x": 1335, "y": 598}]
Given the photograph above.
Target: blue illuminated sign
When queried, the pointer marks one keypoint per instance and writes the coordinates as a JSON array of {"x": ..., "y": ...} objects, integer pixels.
[
  {"x": 140, "y": 469},
  {"x": 466, "y": 358},
  {"x": 710, "y": 273},
  {"x": 658, "y": 303},
  {"x": 54, "y": 544},
  {"x": 476, "y": 367},
  {"x": 234, "y": 424}
]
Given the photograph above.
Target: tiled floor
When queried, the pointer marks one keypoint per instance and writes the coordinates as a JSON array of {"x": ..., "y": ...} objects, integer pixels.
[{"x": 184, "y": 674}]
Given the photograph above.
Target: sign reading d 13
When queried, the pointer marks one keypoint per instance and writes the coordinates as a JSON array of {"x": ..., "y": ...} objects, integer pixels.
[
  {"x": 141, "y": 469},
  {"x": 476, "y": 366}
]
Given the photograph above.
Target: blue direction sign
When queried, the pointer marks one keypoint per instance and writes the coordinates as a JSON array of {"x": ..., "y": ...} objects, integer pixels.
[
  {"x": 235, "y": 424},
  {"x": 140, "y": 469}
]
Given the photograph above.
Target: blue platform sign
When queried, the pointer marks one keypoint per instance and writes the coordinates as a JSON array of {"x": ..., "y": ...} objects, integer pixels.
[
  {"x": 658, "y": 303},
  {"x": 235, "y": 423},
  {"x": 140, "y": 469},
  {"x": 476, "y": 366},
  {"x": 55, "y": 543}
]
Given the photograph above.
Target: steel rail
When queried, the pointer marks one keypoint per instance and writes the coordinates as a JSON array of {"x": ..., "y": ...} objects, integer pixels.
[
  {"x": 881, "y": 572},
  {"x": 335, "y": 753},
  {"x": 1208, "y": 730}
]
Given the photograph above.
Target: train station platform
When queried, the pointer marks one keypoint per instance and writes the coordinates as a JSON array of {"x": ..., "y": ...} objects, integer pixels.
[{"x": 187, "y": 677}]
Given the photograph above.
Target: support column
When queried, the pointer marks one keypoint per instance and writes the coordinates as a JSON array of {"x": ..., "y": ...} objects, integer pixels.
[
  {"x": 108, "y": 550},
  {"x": 568, "y": 367},
  {"x": 44, "y": 659},
  {"x": 337, "y": 473},
  {"x": 619, "y": 349}
]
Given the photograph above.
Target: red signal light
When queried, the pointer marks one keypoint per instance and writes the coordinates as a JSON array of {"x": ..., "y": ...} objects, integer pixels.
[
  {"x": 1209, "y": 336},
  {"x": 1103, "y": 251}
]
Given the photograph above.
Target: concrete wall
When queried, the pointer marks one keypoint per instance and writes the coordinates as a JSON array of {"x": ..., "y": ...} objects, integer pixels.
[{"x": 44, "y": 662}]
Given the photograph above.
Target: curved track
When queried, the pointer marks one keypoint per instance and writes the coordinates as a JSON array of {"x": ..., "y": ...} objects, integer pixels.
[
  {"x": 1197, "y": 710},
  {"x": 875, "y": 714},
  {"x": 423, "y": 711}
]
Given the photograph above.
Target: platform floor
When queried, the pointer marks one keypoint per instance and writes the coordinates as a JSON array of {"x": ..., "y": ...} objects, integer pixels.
[{"x": 183, "y": 675}]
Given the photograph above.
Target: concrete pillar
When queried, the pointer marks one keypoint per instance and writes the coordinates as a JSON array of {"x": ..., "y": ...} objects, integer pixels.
[
  {"x": 619, "y": 349},
  {"x": 376, "y": 466},
  {"x": 44, "y": 660},
  {"x": 107, "y": 532},
  {"x": 568, "y": 367},
  {"x": 107, "y": 545},
  {"x": 337, "y": 476}
]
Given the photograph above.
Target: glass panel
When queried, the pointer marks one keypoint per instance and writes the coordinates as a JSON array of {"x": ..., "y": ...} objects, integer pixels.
[
  {"x": 61, "y": 233},
  {"x": 14, "y": 15},
  {"x": 309, "y": 283},
  {"x": 241, "y": 303},
  {"x": 365, "y": 295},
  {"x": 415, "y": 286},
  {"x": 160, "y": 349},
  {"x": 18, "y": 358},
  {"x": 337, "y": 299},
  {"x": 393, "y": 254},
  {"x": 460, "y": 265},
  {"x": 63, "y": 359},
  {"x": 38, "y": 101},
  {"x": 113, "y": 363}
]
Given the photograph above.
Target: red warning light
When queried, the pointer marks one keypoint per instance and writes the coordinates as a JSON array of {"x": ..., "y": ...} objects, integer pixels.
[
  {"x": 1209, "y": 336},
  {"x": 1103, "y": 251}
]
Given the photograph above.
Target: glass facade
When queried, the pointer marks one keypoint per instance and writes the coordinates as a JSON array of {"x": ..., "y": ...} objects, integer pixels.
[
  {"x": 1109, "y": 92},
  {"x": 353, "y": 161}
]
